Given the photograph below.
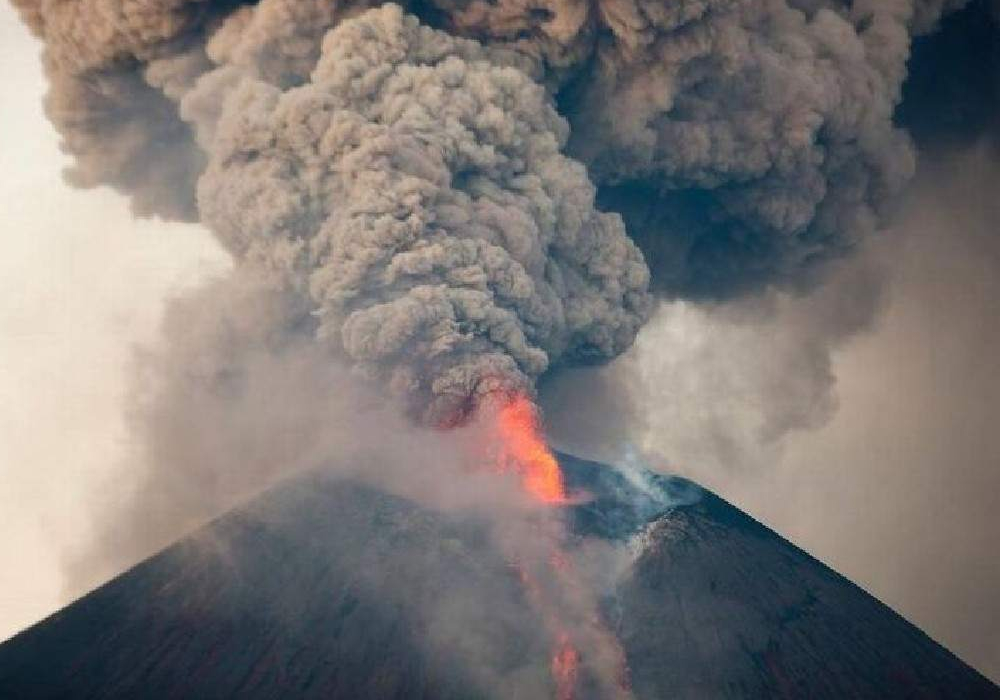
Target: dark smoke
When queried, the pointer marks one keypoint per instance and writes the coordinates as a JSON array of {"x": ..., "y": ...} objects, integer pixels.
[
  {"x": 421, "y": 195},
  {"x": 414, "y": 192}
]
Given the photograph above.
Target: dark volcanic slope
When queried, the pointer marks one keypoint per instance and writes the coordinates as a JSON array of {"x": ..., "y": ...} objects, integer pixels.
[
  {"x": 720, "y": 606},
  {"x": 327, "y": 589},
  {"x": 321, "y": 589}
]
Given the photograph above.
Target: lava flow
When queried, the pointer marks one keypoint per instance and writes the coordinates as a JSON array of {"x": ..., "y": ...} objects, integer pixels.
[
  {"x": 521, "y": 449},
  {"x": 565, "y": 665}
]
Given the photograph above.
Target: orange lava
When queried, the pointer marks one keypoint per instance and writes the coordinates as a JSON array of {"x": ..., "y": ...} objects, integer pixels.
[
  {"x": 565, "y": 663},
  {"x": 523, "y": 450}
]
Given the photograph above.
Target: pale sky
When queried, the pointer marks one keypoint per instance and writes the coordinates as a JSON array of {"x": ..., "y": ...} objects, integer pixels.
[
  {"x": 876, "y": 493},
  {"x": 80, "y": 282}
]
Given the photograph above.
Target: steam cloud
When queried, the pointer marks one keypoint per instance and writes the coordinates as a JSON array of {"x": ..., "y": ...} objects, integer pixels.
[{"x": 430, "y": 199}]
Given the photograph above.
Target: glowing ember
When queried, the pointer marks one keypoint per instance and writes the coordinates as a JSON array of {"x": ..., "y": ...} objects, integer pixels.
[
  {"x": 565, "y": 663},
  {"x": 525, "y": 452}
]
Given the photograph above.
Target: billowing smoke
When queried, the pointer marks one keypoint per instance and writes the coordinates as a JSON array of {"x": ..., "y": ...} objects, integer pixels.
[
  {"x": 746, "y": 143},
  {"x": 446, "y": 204},
  {"x": 415, "y": 192},
  {"x": 407, "y": 186}
]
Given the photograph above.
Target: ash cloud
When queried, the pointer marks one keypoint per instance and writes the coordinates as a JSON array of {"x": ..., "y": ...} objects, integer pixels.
[
  {"x": 448, "y": 203},
  {"x": 740, "y": 379},
  {"x": 416, "y": 194}
]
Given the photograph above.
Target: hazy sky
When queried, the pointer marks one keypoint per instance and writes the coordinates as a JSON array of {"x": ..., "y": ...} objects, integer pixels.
[
  {"x": 80, "y": 281},
  {"x": 898, "y": 491}
]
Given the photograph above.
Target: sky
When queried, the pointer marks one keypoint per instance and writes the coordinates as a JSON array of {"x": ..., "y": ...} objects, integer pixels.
[
  {"x": 64, "y": 356},
  {"x": 897, "y": 490}
]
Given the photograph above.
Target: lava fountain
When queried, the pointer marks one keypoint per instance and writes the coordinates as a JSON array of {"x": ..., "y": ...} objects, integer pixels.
[
  {"x": 523, "y": 450},
  {"x": 553, "y": 586},
  {"x": 565, "y": 666}
]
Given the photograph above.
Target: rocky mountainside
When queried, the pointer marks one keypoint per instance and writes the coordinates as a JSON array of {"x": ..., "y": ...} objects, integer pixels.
[{"x": 326, "y": 588}]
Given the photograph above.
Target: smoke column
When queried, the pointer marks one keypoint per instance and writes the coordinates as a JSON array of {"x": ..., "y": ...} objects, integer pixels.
[{"x": 441, "y": 205}]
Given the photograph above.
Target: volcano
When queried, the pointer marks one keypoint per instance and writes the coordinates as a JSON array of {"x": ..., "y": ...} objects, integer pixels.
[{"x": 330, "y": 588}]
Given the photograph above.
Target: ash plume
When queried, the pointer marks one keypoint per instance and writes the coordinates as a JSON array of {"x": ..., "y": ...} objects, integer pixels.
[
  {"x": 441, "y": 190},
  {"x": 416, "y": 194},
  {"x": 747, "y": 143}
]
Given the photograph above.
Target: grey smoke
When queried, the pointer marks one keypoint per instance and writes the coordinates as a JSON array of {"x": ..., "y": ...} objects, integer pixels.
[
  {"x": 747, "y": 143},
  {"x": 415, "y": 193},
  {"x": 429, "y": 196},
  {"x": 739, "y": 379}
]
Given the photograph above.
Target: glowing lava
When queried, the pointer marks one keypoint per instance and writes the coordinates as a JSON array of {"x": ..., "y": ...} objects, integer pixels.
[
  {"x": 565, "y": 664},
  {"x": 523, "y": 450},
  {"x": 552, "y": 584}
]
